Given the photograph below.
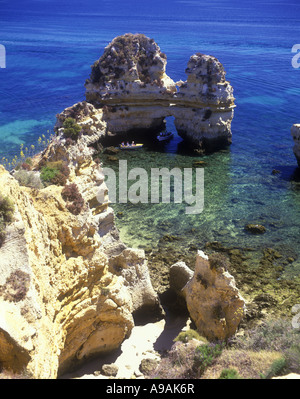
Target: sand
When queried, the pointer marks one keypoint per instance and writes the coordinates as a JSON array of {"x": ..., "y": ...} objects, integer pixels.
[{"x": 147, "y": 341}]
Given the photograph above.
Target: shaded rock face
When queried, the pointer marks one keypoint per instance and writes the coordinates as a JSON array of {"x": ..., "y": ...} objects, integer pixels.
[
  {"x": 130, "y": 85},
  {"x": 61, "y": 299},
  {"x": 295, "y": 132},
  {"x": 213, "y": 301}
]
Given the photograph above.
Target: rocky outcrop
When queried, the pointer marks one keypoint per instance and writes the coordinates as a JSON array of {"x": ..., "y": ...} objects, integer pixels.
[
  {"x": 213, "y": 301},
  {"x": 130, "y": 85},
  {"x": 205, "y": 103},
  {"x": 180, "y": 274},
  {"x": 132, "y": 68},
  {"x": 69, "y": 286},
  {"x": 295, "y": 131}
]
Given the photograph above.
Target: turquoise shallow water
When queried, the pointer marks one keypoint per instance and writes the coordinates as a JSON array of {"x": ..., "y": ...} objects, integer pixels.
[
  {"x": 234, "y": 195},
  {"x": 50, "y": 46}
]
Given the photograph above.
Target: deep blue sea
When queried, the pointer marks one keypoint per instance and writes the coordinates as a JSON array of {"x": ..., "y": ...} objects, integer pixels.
[{"x": 51, "y": 44}]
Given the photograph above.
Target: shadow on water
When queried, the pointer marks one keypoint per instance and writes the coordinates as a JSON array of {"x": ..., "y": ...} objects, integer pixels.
[
  {"x": 295, "y": 176},
  {"x": 287, "y": 173}
]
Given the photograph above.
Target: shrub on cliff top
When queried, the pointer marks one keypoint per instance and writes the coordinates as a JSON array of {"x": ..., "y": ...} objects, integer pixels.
[
  {"x": 73, "y": 198},
  {"x": 55, "y": 173},
  {"x": 6, "y": 209},
  {"x": 71, "y": 129},
  {"x": 277, "y": 335}
]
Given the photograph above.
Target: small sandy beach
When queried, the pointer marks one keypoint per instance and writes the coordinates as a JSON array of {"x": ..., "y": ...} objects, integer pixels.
[{"x": 147, "y": 341}]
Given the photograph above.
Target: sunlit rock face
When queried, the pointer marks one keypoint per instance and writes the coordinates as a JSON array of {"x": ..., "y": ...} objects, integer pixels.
[
  {"x": 205, "y": 103},
  {"x": 69, "y": 287},
  {"x": 132, "y": 66},
  {"x": 213, "y": 300},
  {"x": 130, "y": 85},
  {"x": 130, "y": 80}
]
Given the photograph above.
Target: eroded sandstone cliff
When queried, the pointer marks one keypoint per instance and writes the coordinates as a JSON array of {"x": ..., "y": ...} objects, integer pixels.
[{"x": 71, "y": 287}]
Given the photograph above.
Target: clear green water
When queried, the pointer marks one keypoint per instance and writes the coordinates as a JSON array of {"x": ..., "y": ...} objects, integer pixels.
[
  {"x": 237, "y": 192},
  {"x": 50, "y": 47}
]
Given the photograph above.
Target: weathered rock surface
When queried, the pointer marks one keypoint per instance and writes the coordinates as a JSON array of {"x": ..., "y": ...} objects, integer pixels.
[
  {"x": 213, "y": 300},
  {"x": 205, "y": 103},
  {"x": 61, "y": 301},
  {"x": 130, "y": 81},
  {"x": 129, "y": 89},
  {"x": 110, "y": 369},
  {"x": 180, "y": 274},
  {"x": 295, "y": 131}
]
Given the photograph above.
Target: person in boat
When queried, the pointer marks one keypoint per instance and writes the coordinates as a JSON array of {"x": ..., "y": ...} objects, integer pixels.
[
  {"x": 127, "y": 144},
  {"x": 132, "y": 143},
  {"x": 122, "y": 144}
]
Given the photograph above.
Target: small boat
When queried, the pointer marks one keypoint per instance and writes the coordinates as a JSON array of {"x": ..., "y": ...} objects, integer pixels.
[
  {"x": 130, "y": 146},
  {"x": 164, "y": 136}
]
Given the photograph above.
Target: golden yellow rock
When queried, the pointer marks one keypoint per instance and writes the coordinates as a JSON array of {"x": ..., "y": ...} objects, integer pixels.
[
  {"x": 60, "y": 303},
  {"x": 213, "y": 300}
]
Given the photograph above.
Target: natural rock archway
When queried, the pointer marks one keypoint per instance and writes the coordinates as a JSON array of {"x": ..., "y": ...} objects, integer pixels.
[{"x": 129, "y": 85}]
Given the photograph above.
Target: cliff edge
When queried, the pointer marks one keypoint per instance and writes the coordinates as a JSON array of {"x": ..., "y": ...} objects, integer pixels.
[{"x": 69, "y": 288}]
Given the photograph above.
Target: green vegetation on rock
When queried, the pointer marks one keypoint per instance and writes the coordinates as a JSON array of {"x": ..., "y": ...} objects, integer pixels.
[
  {"x": 71, "y": 129},
  {"x": 55, "y": 173},
  {"x": 229, "y": 374},
  {"x": 185, "y": 336},
  {"x": 6, "y": 215}
]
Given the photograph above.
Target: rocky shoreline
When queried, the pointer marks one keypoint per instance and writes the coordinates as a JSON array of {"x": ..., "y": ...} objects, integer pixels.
[{"x": 70, "y": 289}]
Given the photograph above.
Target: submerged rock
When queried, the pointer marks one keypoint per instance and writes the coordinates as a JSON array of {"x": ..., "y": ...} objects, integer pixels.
[
  {"x": 111, "y": 151},
  {"x": 255, "y": 228}
]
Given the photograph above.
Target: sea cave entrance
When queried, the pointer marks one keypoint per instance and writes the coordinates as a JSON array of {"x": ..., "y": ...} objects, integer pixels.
[{"x": 148, "y": 137}]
